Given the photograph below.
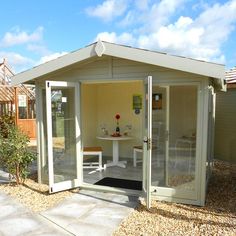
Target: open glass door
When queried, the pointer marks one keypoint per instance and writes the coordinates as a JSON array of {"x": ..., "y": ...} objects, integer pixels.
[
  {"x": 175, "y": 160},
  {"x": 147, "y": 142},
  {"x": 63, "y": 135}
]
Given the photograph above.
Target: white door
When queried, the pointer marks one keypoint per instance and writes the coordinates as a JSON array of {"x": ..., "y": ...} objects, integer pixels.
[
  {"x": 147, "y": 142},
  {"x": 63, "y": 135}
]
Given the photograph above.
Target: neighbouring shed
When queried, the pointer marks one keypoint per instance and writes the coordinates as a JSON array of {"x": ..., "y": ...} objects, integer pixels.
[
  {"x": 17, "y": 102},
  {"x": 225, "y": 124}
]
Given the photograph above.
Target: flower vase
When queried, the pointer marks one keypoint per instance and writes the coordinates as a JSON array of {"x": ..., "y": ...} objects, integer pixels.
[{"x": 117, "y": 129}]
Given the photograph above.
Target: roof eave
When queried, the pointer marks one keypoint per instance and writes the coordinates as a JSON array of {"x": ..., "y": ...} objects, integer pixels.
[
  {"x": 54, "y": 65},
  {"x": 173, "y": 62},
  {"x": 100, "y": 48}
]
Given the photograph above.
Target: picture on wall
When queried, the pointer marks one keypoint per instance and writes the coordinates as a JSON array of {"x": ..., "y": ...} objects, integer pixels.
[{"x": 137, "y": 101}]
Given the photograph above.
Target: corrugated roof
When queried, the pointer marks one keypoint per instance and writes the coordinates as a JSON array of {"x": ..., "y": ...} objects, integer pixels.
[{"x": 230, "y": 76}]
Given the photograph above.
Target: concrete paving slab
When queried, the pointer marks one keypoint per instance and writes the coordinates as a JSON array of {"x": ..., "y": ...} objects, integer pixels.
[
  {"x": 91, "y": 213},
  {"x": 16, "y": 220}
]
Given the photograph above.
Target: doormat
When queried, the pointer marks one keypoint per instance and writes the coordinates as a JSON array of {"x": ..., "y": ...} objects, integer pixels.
[{"x": 120, "y": 183}]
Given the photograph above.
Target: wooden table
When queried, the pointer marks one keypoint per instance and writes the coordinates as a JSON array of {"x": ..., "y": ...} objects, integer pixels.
[{"x": 115, "y": 143}]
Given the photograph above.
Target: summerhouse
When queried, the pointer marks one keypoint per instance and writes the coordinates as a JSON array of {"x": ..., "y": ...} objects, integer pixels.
[{"x": 160, "y": 146}]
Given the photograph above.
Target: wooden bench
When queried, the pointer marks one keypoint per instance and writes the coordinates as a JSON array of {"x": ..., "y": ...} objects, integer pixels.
[
  {"x": 93, "y": 151},
  {"x": 137, "y": 149}
]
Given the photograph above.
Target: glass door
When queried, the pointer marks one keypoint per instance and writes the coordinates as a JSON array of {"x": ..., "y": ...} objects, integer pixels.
[
  {"x": 147, "y": 142},
  {"x": 63, "y": 135},
  {"x": 174, "y": 131}
]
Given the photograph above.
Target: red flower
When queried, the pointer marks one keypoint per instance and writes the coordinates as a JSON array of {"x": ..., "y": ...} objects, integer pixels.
[{"x": 117, "y": 116}]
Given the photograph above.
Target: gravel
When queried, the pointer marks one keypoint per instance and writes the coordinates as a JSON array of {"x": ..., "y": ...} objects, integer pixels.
[
  {"x": 33, "y": 195},
  {"x": 217, "y": 217}
]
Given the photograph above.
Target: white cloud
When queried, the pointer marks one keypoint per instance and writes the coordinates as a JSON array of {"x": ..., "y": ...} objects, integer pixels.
[
  {"x": 124, "y": 38},
  {"x": 142, "y": 4},
  {"x": 108, "y": 10},
  {"x": 201, "y": 37},
  {"x": 159, "y": 14},
  {"x": 17, "y": 37},
  {"x": 17, "y": 61},
  {"x": 38, "y": 49},
  {"x": 50, "y": 57}
]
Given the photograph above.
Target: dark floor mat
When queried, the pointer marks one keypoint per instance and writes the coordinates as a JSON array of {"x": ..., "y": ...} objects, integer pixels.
[{"x": 120, "y": 183}]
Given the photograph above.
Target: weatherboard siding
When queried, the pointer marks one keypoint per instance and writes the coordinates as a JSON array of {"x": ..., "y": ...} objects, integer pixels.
[
  {"x": 110, "y": 68},
  {"x": 225, "y": 126}
]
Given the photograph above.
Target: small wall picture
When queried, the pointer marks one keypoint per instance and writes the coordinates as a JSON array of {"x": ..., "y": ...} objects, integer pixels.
[
  {"x": 137, "y": 101},
  {"x": 156, "y": 101}
]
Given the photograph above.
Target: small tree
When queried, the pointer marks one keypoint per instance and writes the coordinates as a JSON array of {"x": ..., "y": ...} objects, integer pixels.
[{"x": 14, "y": 154}]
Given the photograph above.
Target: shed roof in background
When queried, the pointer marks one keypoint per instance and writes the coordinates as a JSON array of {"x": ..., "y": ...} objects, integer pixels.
[
  {"x": 101, "y": 48},
  {"x": 230, "y": 76}
]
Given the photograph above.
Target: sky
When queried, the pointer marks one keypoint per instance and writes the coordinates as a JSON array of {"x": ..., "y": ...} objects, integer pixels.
[{"x": 33, "y": 32}]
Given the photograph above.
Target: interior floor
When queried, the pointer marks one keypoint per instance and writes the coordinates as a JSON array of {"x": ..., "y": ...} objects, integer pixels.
[
  {"x": 92, "y": 176},
  {"x": 178, "y": 174}
]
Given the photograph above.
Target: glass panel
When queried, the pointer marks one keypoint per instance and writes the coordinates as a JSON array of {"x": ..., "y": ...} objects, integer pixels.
[
  {"x": 174, "y": 136},
  {"x": 44, "y": 156},
  {"x": 159, "y": 122},
  {"x": 63, "y": 134}
]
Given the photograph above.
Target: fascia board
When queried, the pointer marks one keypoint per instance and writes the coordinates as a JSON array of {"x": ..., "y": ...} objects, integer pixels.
[
  {"x": 54, "y": 65},
  {"x": 165, "y": 60}
]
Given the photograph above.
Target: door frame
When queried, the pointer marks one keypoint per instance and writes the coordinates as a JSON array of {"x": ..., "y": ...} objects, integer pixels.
[
  {"x": 89, "y": 186},
  {"x": 147, "y": 141},
  {"x": 64, "y": 185},
  {"x": 167, "y": 193}
]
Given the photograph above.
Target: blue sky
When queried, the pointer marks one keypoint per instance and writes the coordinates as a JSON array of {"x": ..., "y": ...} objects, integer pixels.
[{"x": 32, "y": 32}]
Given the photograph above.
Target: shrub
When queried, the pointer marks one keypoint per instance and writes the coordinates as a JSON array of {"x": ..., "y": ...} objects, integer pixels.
[
  {"x": 14, "y": 154},
  {"x": 4, "y": 122}
]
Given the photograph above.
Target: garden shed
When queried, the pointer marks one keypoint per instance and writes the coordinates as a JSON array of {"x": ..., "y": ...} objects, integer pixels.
[
  {"x": 225, "y": 131},
  {"x": 161, "y": 147}
]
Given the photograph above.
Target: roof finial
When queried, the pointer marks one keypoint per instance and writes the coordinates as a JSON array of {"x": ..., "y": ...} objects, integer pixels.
[{"x": 100, "y": 48}]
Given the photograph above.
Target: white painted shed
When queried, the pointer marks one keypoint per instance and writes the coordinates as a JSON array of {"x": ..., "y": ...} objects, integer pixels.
[{"x": 165, "y": 102}]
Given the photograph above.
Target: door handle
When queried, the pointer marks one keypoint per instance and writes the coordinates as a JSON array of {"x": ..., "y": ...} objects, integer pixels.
[{"x": 148, "y": 141}]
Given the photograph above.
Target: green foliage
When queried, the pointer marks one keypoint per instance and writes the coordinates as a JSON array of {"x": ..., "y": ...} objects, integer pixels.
[
  {"x": 4, "y": 122},
  {"x": 14, "y": 154}
]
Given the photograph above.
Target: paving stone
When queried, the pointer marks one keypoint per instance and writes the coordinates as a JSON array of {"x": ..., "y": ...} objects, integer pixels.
[
  {"x": 91, "y": 213},
  {"x": 16, "y": 220}
]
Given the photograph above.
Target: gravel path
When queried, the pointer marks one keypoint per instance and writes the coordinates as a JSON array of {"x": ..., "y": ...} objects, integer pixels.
[{"x": 218, "y": 217}]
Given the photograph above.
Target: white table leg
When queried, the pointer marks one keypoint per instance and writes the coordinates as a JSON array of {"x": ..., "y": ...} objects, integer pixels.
[
  {"x": 115, "y": 156},
  {"x": 115, "y": 151}
]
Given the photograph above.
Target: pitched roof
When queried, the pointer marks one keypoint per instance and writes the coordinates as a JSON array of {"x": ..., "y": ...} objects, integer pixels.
[
  {"x": 101, "y": 48},
  {"x": 230, "y": 76},
  {"x": 5, "y": 73}
]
